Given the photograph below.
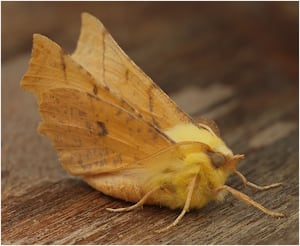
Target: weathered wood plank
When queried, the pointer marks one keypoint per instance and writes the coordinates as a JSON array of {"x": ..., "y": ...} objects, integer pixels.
[{"x": 222, "y": 61}]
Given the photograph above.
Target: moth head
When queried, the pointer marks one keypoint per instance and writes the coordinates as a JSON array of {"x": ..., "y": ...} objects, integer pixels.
[
  {"x": 220, "y": 160},
  {"x": 220, "y": 155}
]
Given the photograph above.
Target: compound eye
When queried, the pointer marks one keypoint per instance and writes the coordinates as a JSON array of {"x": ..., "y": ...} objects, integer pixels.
[{"x": 217, "y": 159}]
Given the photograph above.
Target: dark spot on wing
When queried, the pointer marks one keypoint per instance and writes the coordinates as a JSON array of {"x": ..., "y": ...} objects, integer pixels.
[
  {"x": 151, "y": 106},
  {"x": 150, "y": 100},
  {"x": 126, "y": 75},
  {"x": 103, "y": 130},
  {"x": 103, "y": 56},
  {"x": 168, "y": 170},
  {"x": 63, "y": 63},
  {"x": 95, "y": 89}
]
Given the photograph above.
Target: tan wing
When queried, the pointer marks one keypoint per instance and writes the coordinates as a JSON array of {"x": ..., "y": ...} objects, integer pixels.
[
  {"x": 51, "y": 68},
  {"x": 93, "y": 130},
  {"x": 93, "y": 135},
  {"x": 99, "y": 54}
]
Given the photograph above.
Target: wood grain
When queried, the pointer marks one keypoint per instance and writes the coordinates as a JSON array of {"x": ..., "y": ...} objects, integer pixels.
[{"x": 244, "y": 55}]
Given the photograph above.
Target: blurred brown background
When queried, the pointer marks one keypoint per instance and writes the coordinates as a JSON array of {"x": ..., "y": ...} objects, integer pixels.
[{"x": 236, "y": 63}]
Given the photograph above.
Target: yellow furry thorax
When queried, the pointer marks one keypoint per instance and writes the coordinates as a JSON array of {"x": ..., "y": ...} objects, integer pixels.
[{"x": 209, "y": 177}]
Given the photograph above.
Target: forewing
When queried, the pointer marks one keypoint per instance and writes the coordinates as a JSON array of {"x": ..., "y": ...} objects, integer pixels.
[
  {"x": 99, "y": 54},
  {"x": 93, "y": 129},
  {"x": 51, "y": 68},
  {"x": 95, "y": 136}
]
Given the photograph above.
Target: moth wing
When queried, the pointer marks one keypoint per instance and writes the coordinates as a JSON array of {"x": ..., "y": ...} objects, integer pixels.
[
  {"x": 51, "y": 68},
  {"x": 99, "y": 54},
  {"x": 94, "y": 136},
  {"x": 93, "y": 130}
]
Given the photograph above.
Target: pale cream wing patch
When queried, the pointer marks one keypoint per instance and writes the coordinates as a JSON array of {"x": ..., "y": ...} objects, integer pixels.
[{"x": 99, "y": 54}]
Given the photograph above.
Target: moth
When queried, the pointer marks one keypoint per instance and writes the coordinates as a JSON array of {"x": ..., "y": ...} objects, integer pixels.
[{"x": 115, "y": 128}]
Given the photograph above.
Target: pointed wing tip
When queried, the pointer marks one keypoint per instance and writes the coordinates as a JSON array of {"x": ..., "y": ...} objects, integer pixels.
[
  {"x": 90, "y": 27},
  {"x": 41, "y": 41},
  {"x": 86, "y": 15},
  {"x": 39, "y": 38},
  {"x": 88, "y": 19},
  {"x": 43, "y": 48},
  {"x": 37, "y": 35}
]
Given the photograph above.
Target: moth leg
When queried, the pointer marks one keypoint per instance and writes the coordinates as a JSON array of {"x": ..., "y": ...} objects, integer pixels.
[
  {"x": 138, "y": 204},
  {"x": 185, "y": 208},
  {"x": 258, "y": 187},
  {"x": 241, "y": 196}
]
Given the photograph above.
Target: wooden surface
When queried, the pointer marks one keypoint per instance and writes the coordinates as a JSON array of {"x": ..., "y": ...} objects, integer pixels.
[{"x": 235, "y": 63}]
